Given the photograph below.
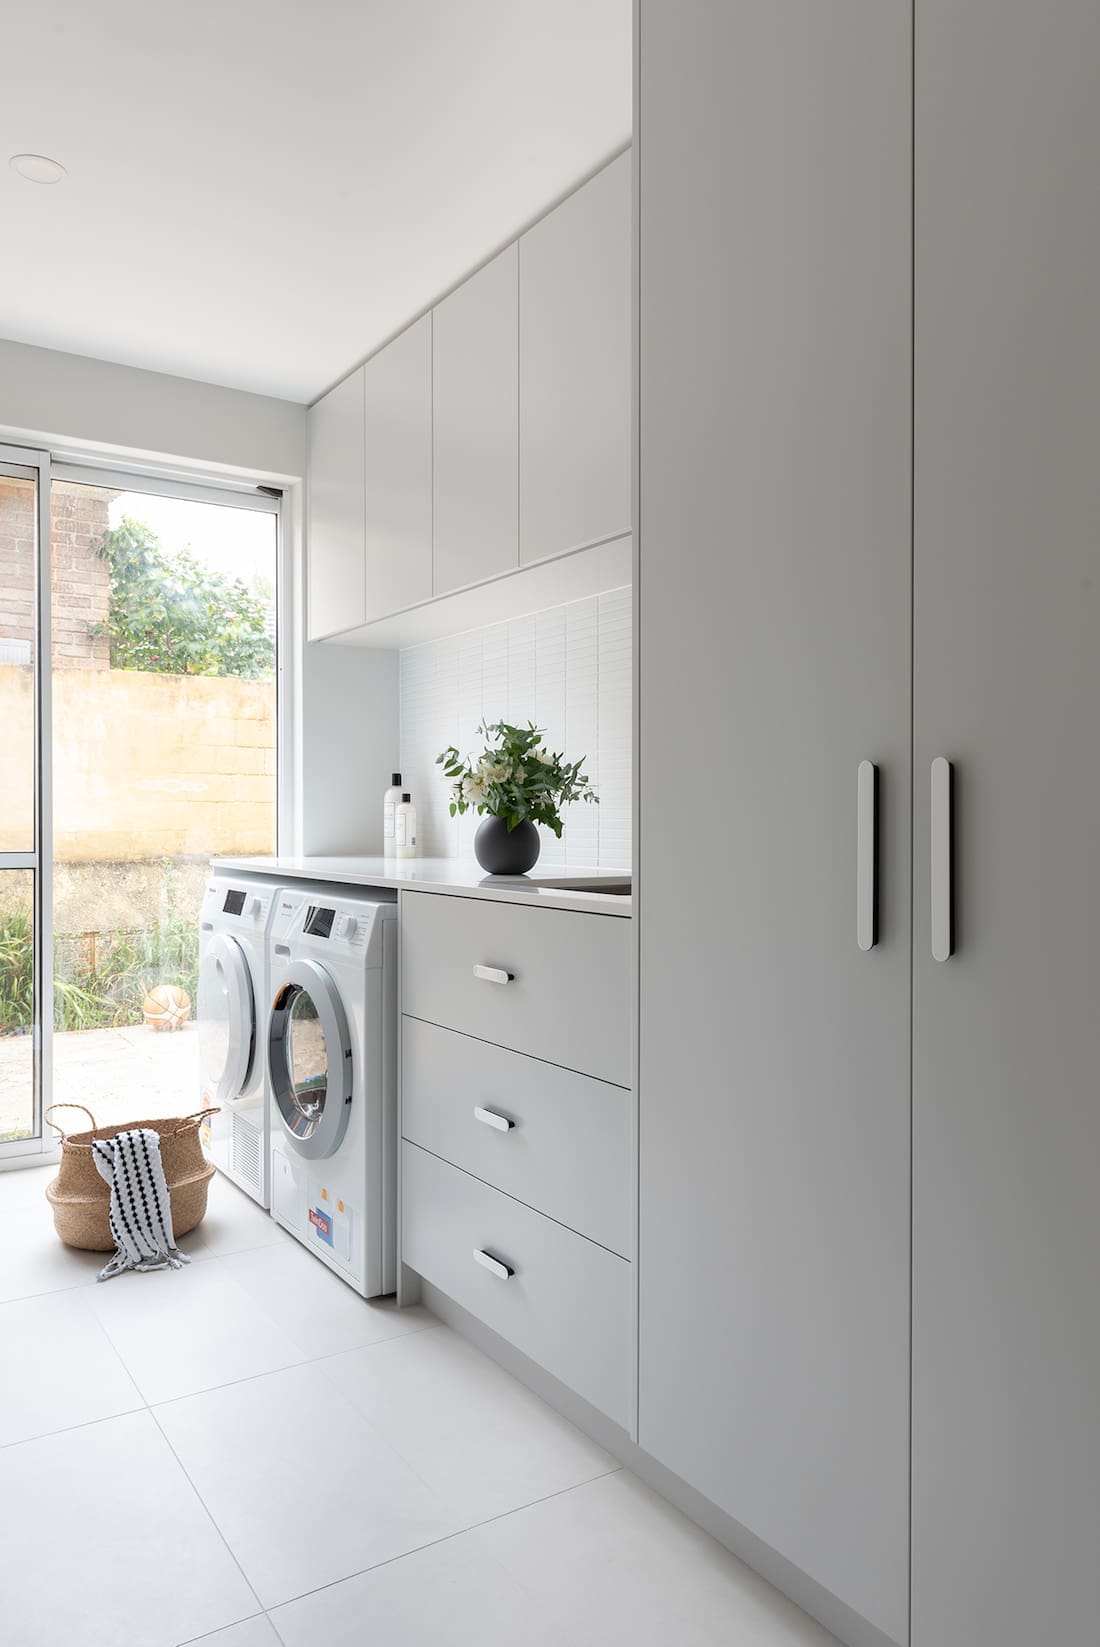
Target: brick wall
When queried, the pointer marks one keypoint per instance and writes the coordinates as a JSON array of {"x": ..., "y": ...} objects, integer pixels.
[
  {"x": 16, "y": 569},
  {"x": 80, "y": 579}
]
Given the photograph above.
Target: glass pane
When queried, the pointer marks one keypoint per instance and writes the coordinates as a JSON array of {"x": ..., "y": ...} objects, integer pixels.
[
  {"x": 164, "y": 715},
  {"x": 306, "y": 1057},
  {"x": 16, "y": 1004},
  {"x": 18, "y": 545},
  {"x": 214, "y": 1020}
]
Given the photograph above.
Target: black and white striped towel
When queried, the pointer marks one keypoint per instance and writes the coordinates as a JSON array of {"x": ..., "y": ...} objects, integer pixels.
[{"x": 141, "y": 1210}]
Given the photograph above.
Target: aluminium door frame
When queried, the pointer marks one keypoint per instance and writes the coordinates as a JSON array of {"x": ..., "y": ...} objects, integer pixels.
[
  {"x": 34, "y": 463},
  {"x": 228, "y": 493}
]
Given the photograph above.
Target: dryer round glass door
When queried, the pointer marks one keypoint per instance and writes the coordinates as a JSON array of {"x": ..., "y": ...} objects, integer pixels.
[
  {"x": 227, "y": 1019},
  {"x": 310, "y": 1059}
]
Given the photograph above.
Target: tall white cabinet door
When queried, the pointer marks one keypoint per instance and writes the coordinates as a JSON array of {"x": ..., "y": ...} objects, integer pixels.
[
  {"x": 475, "y": 386},
  {"x": 1006, "y": 1098},
  {"x": 398, "y": 451},
  {"x": 575, "y": 369},
  {"x": 335, "y": 542},
  {"x": 773, "y": 142}
]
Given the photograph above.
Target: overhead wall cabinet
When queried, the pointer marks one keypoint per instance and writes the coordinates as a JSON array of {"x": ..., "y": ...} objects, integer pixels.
[
  {"x": 801, "y": 549},
  {"x": 488, "y": 440},
  {"x": 475, "y": 370},
  {"x": 336, "y": 502},
  {"x": 397, "y": 461},
  {"x": 575, "y": 369}
]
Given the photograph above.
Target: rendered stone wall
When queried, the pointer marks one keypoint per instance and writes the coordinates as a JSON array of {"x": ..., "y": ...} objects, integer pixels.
[{"x": 145, "y": 766}]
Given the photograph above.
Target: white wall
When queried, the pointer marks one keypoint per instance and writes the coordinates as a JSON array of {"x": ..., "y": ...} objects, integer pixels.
[
  {"x": 341, "y": 703},
  {"x": 61, "y": 399},
  {"x": 349, "y": 712},
  {"x": 568, "y": 670}
]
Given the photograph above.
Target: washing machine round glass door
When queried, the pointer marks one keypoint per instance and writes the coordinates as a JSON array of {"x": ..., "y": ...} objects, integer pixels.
[
  {"x": 227, "y": 1019},
  {"x": 310, "y": 1059}
]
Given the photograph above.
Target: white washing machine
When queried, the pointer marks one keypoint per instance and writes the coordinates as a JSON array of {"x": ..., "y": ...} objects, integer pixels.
[
  {"x": 332, "y": 1065},
  {"x": 233, "y": 929}
]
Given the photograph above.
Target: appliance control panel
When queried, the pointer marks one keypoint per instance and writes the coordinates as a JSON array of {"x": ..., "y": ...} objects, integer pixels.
[
  {"x": 247, "y": 904},
  {"x": 321, "y": 926}
]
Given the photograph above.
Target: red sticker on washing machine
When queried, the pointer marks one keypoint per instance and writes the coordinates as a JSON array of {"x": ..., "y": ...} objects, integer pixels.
[{"x": 321, "y": 1224}]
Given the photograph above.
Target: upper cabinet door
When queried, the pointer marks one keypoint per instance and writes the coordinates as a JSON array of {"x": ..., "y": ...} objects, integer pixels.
[
  {"x": 475, "y": 392},
  {"x": 335, "y": 542},
  {"x": 1006, "y": 1078},
  {"x": 774, "y": 657},
  {"x": 575, "y": 369},
  {"x": 398, "y": 444}
]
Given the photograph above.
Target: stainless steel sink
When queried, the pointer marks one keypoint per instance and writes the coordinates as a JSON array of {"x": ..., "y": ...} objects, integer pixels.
[{"x": 612, "y": 886}]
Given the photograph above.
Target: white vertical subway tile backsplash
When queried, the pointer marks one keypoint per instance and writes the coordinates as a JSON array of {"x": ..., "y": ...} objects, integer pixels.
[{"x": 568, "y": 670}]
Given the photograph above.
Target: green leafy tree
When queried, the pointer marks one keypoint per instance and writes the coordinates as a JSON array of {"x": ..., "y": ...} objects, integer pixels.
[{"x": 171, "y": 614}]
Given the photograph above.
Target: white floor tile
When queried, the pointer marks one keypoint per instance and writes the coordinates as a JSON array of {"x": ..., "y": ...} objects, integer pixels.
[
  {"x": 611, "y": 1561},
  {"x": 445, "y": 1596},
  {"x": 254, "y": 1632},
  {"x": 32, "y": 1258},
  {"x": 304, "y": 1490},
  {"x": 105, "y": 1543},
  {"x": 57, "y": 1367},
  {"x": 314, "y": 1307},
  {"x": 475, "y": 1435},
  {"x": 236, "y": 1223},
  {"x": 182, "y": 1331}
]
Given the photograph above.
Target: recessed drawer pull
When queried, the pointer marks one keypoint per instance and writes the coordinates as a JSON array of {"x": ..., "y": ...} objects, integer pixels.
[
  {"x": 494, "y": 975},
  {"x": 493, "y": 1265},
  {"x": 490, "y": 1118}
]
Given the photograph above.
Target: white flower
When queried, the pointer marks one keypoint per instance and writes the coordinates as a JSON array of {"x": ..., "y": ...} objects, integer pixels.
[{"x": 475, "y": 791}]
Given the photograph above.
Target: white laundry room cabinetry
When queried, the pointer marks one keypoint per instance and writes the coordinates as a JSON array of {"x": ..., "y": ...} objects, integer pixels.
[
  {"x": 489, "y": 439},
  {"x": 880, "y": 1059},
  {"x": 517, "y": 1129}
]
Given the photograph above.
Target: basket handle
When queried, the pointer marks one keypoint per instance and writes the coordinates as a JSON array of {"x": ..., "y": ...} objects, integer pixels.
[
  {"x": 198, "y": 1117},
  {"x": 61, "y": 1133}
]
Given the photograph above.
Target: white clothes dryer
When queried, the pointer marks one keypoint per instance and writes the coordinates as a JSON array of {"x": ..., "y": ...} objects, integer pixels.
[
  {"x": 332, "y": 1065},
  {"x": 233, "y": 926}
]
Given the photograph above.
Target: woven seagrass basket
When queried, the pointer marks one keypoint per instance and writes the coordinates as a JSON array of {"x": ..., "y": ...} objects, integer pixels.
[{"x": 81, "y": 1199}]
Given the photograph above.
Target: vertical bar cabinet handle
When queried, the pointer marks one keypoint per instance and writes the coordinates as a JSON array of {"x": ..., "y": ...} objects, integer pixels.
[
  {"x": 866, "y": 855},
  {"x": 943, "y": 936}
]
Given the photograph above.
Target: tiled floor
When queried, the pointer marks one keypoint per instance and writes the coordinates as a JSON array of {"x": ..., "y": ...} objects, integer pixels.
[
  {"x": 130, "y": 1074},
  {"x": 243, "y": 1453}
]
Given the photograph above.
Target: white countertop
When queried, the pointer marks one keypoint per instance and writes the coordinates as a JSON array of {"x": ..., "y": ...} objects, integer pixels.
[{"x": 462, "y": 877}]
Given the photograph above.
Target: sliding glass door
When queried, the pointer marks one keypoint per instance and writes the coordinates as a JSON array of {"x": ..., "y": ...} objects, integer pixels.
[
  {"x": 164, "y": 755},
  {"x": 25, "y": 840},
  {"x": 139, "y": 699}
]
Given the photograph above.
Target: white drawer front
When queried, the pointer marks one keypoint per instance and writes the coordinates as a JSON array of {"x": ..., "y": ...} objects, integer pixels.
[
  {"x": 548, "y": 1136},
  {"x": 567, "y": 1302},
  {"x": 549, "y": 982}
]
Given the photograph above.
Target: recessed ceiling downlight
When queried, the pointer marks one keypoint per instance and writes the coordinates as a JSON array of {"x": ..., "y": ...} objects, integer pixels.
[{"x": 37, "y": 168}]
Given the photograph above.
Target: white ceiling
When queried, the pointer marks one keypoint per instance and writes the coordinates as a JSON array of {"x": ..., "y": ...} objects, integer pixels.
[{"x": 262, "y": 191}]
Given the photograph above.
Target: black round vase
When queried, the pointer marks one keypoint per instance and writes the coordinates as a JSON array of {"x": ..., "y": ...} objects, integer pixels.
[{"x": 501, "y": 851}]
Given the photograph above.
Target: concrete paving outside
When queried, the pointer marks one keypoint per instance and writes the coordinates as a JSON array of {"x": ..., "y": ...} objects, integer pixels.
[{"x": 121, "y": 1075}]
